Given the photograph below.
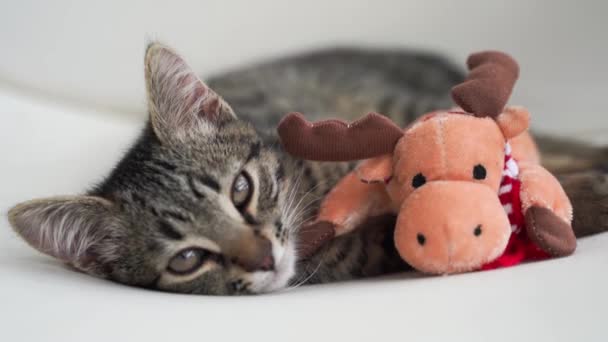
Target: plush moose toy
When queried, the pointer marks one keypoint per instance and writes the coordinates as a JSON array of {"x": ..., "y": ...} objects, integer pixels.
[{"x": 466, "y": 184}]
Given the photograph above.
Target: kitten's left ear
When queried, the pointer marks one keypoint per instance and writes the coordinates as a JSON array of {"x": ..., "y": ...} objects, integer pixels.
[{"x": 180, "y": 104}]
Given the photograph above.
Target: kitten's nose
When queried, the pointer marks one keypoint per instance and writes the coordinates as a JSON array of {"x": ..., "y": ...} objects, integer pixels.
[{"x": 258, "y": 257}]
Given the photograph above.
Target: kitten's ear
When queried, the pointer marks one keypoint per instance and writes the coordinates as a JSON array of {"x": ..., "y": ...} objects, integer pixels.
[
  {"x": 67, "y": 228},
  {"x": 180, "y": 104}
]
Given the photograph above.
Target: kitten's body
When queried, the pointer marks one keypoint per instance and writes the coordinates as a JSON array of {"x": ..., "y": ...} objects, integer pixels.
[{"x": 170, "y": 191}]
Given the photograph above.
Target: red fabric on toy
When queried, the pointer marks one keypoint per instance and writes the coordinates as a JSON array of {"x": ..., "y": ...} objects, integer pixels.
[{"x": 519, "y": 248}]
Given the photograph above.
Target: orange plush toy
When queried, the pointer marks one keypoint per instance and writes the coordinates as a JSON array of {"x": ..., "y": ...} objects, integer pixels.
[{"x": 466, "y": 184}]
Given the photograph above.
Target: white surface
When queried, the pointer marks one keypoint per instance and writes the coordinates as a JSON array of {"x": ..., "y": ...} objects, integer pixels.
[{"x": 50, "y": 150}]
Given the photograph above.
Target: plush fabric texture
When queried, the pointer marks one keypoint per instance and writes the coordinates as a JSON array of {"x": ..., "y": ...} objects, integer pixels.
[
  {"x": 519, "y": 248},
  {"x": 513, "y": 122},
  {"x": 376, "y": 170},
  {"x": 488, "y": 86},
  {"x": 537, "y": 180},
  {"x": 463, "y": 202},
  {"x": 437, "y": 149},
  {"x": 446, "y": 158},
  {"x": 460, "y": 219},
  {"x": 550, "y": 232},
  {"x": 336, "y": 140},
  {"x": 352, "y": 201},
  {"x": 447, "y": 213},
  {"x": 524, "y": 149}
]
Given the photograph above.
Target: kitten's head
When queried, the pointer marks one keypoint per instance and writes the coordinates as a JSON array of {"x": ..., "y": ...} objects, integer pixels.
[{"x": 198, "y": 205}]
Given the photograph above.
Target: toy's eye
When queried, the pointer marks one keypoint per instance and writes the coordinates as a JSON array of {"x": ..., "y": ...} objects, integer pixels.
[
  {"x": 421, "y": 239},
  {"x": 418, "y": 180},
  {"x": 241, "y": 191},
  {"x": 479, "y": 172},
  {"x": 187, "y": 261}
]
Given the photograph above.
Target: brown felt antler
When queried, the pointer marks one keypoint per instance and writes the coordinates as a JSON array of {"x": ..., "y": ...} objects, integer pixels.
[
  {"x": 489, "y": 84},
  {"x": 335, "y": 140}
]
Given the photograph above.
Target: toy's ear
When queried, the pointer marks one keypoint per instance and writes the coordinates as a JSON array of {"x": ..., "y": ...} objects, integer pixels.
[
  {"x": 513, "y": 121},
  {"x": 375, "y": 170}
]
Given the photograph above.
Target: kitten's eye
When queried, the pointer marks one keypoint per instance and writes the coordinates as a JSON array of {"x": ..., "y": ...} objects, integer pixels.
[
  {"x": 242, "y": 189},
  {"x": 187, "y": 261},
  {"x": 479, "y": 172},
  {"x": 418, "y": 180}
]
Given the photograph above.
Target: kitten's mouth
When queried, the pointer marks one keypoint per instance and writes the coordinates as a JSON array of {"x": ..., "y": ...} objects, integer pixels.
[
  {"x": 279, "y": 277},
  {"x": 309, "y": 239}
]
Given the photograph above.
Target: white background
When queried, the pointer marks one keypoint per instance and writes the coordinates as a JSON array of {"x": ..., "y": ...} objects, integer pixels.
[
  {"x": 71, "y": 101},
  {"x": 91, "y": 52}
]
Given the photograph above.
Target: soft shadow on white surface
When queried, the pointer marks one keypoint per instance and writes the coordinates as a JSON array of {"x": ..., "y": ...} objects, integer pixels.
[{"x": 49, "y": 150}]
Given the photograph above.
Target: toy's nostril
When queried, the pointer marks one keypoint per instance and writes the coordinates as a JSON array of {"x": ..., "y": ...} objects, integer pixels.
[
  {"x": 421, "y": 239},
  {"x": 477, "y": 230}
]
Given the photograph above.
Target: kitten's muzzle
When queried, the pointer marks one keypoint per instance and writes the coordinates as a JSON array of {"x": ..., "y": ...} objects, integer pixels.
[{"x": 254, "y": 255}]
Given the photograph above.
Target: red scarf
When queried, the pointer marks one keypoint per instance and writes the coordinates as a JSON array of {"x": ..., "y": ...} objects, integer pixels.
[{"x": 519, "y": 248}]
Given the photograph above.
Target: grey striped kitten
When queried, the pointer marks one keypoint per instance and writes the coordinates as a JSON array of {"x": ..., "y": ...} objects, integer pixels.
[{"x": 206, "y": 202}]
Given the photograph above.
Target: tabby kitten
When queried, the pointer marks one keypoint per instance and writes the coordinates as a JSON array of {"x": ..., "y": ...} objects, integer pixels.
[{"x": 208, "y": 203}]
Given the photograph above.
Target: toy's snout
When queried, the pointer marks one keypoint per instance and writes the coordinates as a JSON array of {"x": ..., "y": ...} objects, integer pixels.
[{"x": 451, "y": 226}]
